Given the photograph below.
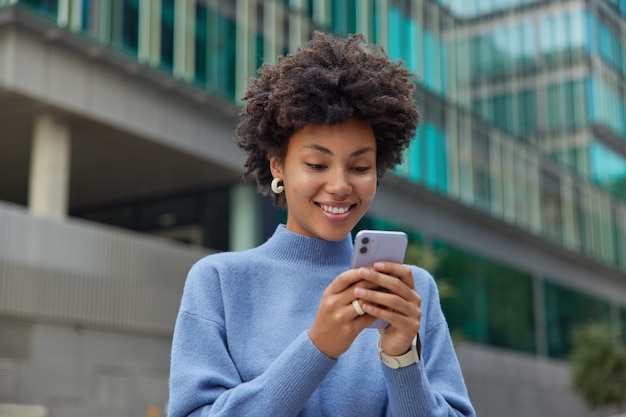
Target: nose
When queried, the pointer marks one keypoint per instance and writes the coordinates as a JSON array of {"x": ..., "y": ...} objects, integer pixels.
[{"x": 338, "y": 182}]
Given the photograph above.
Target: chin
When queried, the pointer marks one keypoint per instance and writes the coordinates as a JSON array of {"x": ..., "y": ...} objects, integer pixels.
[{"x": 335, "y": 235}]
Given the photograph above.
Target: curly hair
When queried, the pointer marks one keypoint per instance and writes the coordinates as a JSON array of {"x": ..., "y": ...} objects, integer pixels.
[{"x": 327, "y": 81}]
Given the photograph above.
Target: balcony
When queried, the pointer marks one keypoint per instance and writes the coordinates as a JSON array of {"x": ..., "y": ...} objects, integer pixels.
[{"x": 79, "y": 272}]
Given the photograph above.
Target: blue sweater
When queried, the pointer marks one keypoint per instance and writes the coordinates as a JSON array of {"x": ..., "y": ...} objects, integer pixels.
[{"x": 241, "y": 346}]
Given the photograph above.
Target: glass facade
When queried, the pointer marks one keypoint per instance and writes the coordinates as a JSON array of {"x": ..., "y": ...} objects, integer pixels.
[
  {"x": 524, "y": 119},
  {"x": 491, "y": 303},
  {"x": 566, "y": 308}
]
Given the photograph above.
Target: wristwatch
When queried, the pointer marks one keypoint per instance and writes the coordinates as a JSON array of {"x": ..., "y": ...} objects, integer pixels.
[{"x": 409, "y": 358}]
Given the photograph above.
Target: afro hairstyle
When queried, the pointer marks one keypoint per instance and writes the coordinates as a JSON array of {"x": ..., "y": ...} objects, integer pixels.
[{"x": 329, "y": 80}]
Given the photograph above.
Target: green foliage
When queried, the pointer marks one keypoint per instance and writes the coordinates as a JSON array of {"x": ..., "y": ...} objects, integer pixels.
[{"x": 598, "y": 365}]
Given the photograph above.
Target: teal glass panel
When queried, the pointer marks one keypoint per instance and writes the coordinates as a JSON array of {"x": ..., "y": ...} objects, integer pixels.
[
  {"x": 490, "y": 303},
  {"x": 396, "y": 35},
  {"x": 435, "y": 83},
  {"x": 201, "y": 44},
  {"x": 432, "y": 156},
  {"x": 443, "y": 90},
  {"x": 411, "y": 58},
  {"x": 220, "y": 55},
  {"x": 479, "y": 61},
  {"x": 525, "y": 49},
  {"x": 499, "y": 47},
  {"x": 85, "y": 17},
  {"x": 556, "y": 43},
  {"x": 554, "y": 119},
  {"x": 375, "y": 15},
  {"x": 339, "y": 17},
  {"x": 551, "y": 206},
  {"x": 528, "y": 106},
  {"x": 565, "y": 309},
  {"x": 591, "y": 94},
  {"x": 606, "y": 107},
  {"x": 609, "y": 46},
  {"x": 130, "y": 25},
  {"x": 514, "y": 113},
  {"x": 351, "y": 15},
  {"x": 591, "y": 33},
  {"x": 481, "y": 177},
  {"x": 577, "y": 33},
  {"x": 414, "y": 158},
  {"x": 167, "y": 34},
  {"x": 225, "y": 57},
  {"x": 260, "y": 49},
  {"x": 608, "y": 169},
  {"x": 429, "y": 78},
  {"x": 47, "y": 7},
  {"x": 428, "y": 159},
  {"x": 501, "y": 112}
]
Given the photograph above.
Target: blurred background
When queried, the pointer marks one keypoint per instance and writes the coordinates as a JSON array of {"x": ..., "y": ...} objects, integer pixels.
[{"x": 118, "y": 170}]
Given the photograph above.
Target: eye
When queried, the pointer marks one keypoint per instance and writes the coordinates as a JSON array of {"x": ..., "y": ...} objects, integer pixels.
[
  {"x": 315, "y": 166},
  {"x": 362, "y": 169}
]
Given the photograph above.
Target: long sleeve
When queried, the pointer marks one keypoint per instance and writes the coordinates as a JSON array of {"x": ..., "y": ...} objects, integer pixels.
[
  {"x": 434, "y": 387},
  {"x": 206, "y": 382}
]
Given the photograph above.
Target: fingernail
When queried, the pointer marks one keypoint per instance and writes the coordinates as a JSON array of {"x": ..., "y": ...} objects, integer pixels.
[
  {"x": 379, "y": 265},
  {"x": 365, "y": 272},
  {"x": 359, "y": 292}
]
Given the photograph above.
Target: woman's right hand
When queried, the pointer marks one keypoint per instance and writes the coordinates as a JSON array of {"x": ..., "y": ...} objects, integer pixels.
[{"x": 337, "y": 323}]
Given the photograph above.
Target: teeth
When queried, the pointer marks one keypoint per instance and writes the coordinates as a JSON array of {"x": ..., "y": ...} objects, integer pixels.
[{"x": 335, "y": 210}]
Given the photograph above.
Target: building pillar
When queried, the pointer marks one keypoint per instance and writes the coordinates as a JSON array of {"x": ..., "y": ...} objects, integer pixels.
[
  {"x": 245, "y": 218},
  {"x": 48, "y": 188}
]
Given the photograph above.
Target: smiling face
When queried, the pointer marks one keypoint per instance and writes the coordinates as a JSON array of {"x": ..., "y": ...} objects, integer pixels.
[{"x": 329, "y": 174}]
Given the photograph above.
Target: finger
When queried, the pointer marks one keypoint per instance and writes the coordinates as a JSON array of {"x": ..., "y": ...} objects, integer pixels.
[
  {"x": 397, "y": 270},
  {"x": 357, "y": 307},
  {"x": 343, "y": 281},
  {"x": 398, "y": 320},
  {"x": 390, "y": 283},
  {"x": 389, "y": 301}
]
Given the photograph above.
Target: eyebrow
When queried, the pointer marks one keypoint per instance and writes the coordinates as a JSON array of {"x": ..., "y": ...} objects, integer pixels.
[{"x": 329, "y": 152}]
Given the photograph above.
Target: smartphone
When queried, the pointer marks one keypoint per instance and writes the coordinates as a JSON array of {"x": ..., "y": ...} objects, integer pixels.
[{"x": 372, "y": 246}]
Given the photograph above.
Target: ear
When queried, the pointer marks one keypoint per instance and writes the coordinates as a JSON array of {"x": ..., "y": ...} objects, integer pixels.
[{"x": 276, "y": 167}]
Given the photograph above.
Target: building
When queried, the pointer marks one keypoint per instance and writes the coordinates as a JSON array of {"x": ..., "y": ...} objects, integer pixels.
[{"x": 118, "y": 170}]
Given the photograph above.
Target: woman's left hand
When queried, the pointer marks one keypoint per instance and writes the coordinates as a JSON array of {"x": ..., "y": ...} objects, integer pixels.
[{"x": 398, "y": 304}]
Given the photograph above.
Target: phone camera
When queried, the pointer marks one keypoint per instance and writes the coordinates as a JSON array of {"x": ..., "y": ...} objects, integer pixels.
[
  {"x": 363, "y": 249},
  {"x": 365, "y": 240}
]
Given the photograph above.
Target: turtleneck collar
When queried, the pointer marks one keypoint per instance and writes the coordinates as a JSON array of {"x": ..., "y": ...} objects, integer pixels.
[{"x": 288, "y": 246}]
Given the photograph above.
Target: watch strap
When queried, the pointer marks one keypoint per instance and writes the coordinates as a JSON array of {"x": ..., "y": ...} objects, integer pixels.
[{"x": 409, "y": 358}]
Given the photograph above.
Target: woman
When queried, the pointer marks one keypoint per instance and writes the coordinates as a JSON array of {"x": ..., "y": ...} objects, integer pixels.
[{"x": 281, "y": 329}]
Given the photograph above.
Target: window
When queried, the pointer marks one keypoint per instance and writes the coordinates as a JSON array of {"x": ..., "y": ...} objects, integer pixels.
[
  {"x": 551, "y": 205},
  {"x": 201, "y": 44},
  {"x": 47, "y": 7},
  {"x": 481, "y": 168},
  {"x": 565, "y": 309},
  {"x": 490, "y": 303},
  {"x": 608, "y": 169},
  {"x": 130, "y": 25},
  {"x": 167, "y": 34}
]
